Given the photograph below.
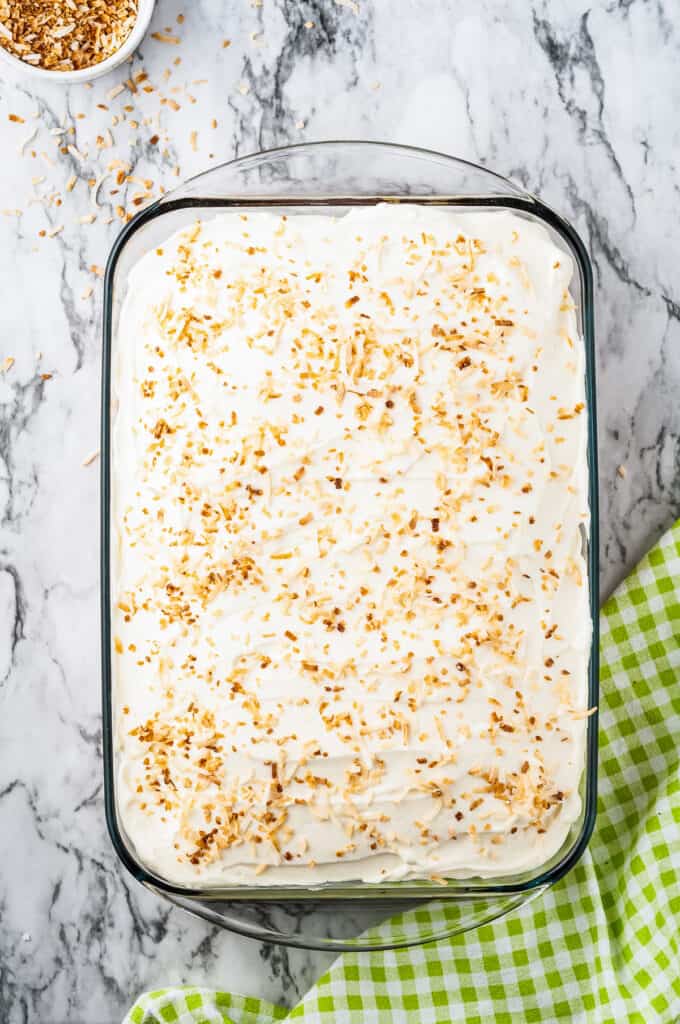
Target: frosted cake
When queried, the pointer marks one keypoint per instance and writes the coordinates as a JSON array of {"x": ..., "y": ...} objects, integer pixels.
[{"x": 350, "y": 610}]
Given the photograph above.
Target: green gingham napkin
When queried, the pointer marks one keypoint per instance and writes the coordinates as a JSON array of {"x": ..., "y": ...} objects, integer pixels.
[{"x": 601, "y": 946}]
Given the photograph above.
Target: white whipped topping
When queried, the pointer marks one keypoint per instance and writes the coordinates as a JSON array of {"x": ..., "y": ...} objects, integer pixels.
[{"x": 351, "y": 624}]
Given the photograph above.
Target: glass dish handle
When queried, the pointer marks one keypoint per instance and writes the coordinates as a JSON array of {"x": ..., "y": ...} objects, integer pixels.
[
  {"x": 335, "y": 170},
  {"x": 373, "y": 926}
]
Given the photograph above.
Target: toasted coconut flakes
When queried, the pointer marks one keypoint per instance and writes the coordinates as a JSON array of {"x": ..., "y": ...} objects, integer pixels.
[
  {"x": 65, "y": 30},
  {"x": 7, "y": 363},
  {"x": 87, "y": 292},
  {"x": 89, "y": 459},
  {"x": 50, "y": 36},
  {"x": 578, "y": 715},
  {"x": 622, "y": 471}
]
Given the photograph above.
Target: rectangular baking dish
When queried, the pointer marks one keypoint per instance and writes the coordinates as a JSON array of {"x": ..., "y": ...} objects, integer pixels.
[{"x": 336, "y": 176}]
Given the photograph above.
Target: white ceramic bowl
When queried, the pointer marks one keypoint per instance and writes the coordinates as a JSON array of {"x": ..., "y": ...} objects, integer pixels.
[{"x": 144, "y": 11}]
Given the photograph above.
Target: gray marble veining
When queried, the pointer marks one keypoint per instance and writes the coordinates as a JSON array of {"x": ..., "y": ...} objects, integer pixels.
[{"x": 577, "y": 103}]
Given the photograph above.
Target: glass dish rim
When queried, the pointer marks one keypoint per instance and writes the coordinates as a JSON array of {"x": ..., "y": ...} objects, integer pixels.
[{"x": 460, "y": 889}]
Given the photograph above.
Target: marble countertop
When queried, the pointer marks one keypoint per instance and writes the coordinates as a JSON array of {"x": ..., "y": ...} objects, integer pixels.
[{"x": 576, "y": 102}]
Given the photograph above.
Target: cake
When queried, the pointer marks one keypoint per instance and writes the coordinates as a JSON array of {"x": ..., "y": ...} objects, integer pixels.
[{"x": 350, "y": 613}]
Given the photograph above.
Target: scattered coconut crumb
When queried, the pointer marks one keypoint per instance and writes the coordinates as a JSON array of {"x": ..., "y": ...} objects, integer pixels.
[
  {"x": 165, "y": 37},
  {"x": 29, "y": 138},
  {"x": 96, "y": 186},
  {"x": 87, "y": 150},
  {"x": 87, "y": 293},
  {"x": 76, "y": 153},
  {"x": 622, "y": 471},
  {"x": 7, "y": 363}
]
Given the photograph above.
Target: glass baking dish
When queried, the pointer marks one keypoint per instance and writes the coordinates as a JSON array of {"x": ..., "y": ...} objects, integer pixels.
[{"x": 337, "y": 175}]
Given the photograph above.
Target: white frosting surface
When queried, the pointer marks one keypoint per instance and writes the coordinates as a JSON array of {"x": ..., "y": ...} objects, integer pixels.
[{"x": 350, "y": 613}]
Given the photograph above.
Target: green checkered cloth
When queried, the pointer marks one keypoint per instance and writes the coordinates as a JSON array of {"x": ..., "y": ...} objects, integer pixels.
[{"x": 601, "y": 946}]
